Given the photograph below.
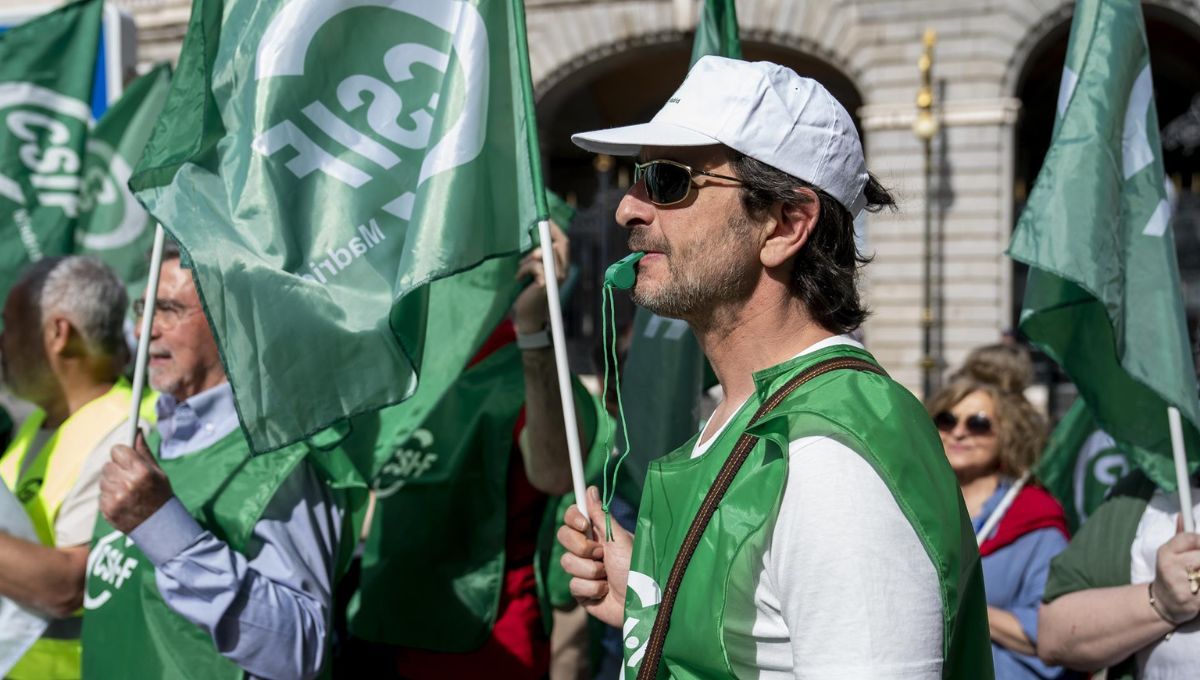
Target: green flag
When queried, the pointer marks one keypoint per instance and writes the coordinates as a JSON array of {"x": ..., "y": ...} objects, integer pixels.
[
  {"x": 665, "y": 371},
  {"x": 112, "y": 225},
  {"x": 395, "y": 425},
  {"x": 1081, "y": 464},
  {"x": 717, "y": 31},
  {"x": 1103, "y": 296},
  {"x": 47, "y": 66},
  {"x": 352, "y": 184}
]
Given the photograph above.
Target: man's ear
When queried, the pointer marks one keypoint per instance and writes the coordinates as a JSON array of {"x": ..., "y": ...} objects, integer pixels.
[
  {"x": 61, "y": 337},
  {"x": 794, "y": 223}
]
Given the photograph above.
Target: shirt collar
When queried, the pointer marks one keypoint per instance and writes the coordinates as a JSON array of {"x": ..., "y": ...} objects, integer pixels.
[
  {"x": 765, "y": 379},
  {"x": 196, "y": 422}
]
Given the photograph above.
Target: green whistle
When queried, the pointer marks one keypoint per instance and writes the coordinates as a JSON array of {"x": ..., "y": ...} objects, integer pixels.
[{"x": 622, "y": 274}]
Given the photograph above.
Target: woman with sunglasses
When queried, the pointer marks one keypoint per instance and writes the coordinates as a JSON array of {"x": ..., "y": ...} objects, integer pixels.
[{"x": 992, "y": 437}]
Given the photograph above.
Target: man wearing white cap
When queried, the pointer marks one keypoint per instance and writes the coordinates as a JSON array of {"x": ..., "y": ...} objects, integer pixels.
[{"x": 813, "y": 528}]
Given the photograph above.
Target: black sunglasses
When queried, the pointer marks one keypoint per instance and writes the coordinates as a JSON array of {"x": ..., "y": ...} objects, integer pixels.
[
  {"x": 977, "y": 424},
  {"x": 668, "y": 182}
]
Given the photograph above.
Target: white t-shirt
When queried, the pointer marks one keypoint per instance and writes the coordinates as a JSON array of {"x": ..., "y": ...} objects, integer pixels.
[
  {"x": 846, "y": 589},
  {"x": 1174, "y": 658}
]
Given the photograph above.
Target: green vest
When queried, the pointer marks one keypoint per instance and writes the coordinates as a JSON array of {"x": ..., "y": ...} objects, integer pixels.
[
  {"x": 128, "y": 629},
  {"x": 870, "y": 414},
  {"x": 437, "y": 540},
  {"x": 42, "y": 486}
]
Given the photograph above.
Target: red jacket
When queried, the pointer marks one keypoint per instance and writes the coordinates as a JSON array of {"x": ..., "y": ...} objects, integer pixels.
[{"x": 1034, "y": 508}]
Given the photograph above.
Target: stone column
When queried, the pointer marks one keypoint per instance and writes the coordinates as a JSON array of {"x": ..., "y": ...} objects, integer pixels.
[{"x": 972, "y": 221}]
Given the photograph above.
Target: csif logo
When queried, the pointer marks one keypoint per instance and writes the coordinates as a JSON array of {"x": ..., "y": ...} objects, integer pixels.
[
  {"x": 108, "y": 563},
  {"x": 45, "y": 126},
  {"x": 1098, "y": 467},
  {"x": 358, "y": 129},
  {"x": 409, "y": 461},
  {"x": 104, "y": 198},
  {"x": 639, "y": 621}
]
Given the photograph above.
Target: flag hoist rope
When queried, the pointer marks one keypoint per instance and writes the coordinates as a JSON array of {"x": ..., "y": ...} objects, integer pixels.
[
  {"x": 143, "y": 348},
  {"x": 560, "y": 362}
]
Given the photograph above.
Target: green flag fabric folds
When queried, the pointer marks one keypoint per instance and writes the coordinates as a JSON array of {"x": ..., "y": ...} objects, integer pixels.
[
  {"x": 1103, "y": 296},
  {"x": 665, "y": 371},
  {"x": 1081, "y": 464},
  {"x": 112, "y": 225},
  {"x": 717, "y": 31},
  {"x": 352, "y": 183},
  {"x": 47, "y": 66}
]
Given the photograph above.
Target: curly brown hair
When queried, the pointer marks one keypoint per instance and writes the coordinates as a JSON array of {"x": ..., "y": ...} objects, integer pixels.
[
  {"x": 1008, "y": 366},
  {"x": 1020, "y": 429}
]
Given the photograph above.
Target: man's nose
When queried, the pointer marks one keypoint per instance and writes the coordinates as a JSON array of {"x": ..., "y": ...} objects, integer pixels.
[
  {"x": 154, "y": 329},
  {"x": 635, "y": 207}
]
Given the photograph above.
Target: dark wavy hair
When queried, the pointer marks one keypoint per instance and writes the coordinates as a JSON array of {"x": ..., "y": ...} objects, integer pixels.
[{"x": 825, "y": 271}]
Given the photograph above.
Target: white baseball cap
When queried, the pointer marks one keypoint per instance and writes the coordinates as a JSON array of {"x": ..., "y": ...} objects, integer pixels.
[{"x": 759, "y": 109}]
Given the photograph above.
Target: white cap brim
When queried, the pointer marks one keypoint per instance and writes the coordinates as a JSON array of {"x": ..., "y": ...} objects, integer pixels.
[{"x": 629, "y": 140}]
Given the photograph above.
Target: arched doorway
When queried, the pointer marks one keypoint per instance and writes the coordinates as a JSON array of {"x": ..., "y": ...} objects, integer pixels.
[
  {"x": 1174, "y": 41},
  {"x": 627, "y": 86}
]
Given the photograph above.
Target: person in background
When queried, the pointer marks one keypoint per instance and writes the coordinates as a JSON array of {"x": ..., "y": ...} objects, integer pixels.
[
  {"x": 1125, "y": 595},
  {"x": 992, "y": 437},
  {"x": 209, "y": 561},
  {"x": 459, "y": 508},
  {"x": 64, "y": 351}
]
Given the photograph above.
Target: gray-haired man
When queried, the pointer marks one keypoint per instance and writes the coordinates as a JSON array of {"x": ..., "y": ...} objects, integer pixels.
[{"x": 63, "y": 350}]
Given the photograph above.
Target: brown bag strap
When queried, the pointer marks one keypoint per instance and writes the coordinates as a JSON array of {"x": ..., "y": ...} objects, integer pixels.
[{"x": 741, "y": 451}]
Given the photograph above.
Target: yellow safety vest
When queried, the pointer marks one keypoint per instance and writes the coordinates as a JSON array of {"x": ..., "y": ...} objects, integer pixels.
[{"x": 41, "y": 488}]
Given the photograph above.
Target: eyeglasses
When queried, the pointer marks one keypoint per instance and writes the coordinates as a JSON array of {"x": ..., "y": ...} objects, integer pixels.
[
  {"x": 977, "y": 424},
  {"x": 668, "y": 182},
  {"x": 168, "y": 313}
]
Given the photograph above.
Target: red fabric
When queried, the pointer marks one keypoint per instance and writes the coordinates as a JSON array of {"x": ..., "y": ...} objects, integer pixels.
[
  {"x": 503, "y": 334},
  {"x": 518, "y": 647},
  {"x": 1034, "y": 508},
  {"x": 526, "y": 505}
]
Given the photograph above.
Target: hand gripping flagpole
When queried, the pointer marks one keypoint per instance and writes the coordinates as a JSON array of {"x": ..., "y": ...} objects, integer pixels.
[
  {"x": 143, "y": 348},
  {"x": 1181, "y": 472},
  {"x": 560, "y": 362}
]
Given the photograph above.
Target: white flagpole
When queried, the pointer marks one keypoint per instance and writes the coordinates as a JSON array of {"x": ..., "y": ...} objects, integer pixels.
[
  {"x": 560, "y": 362},
  {"x": 993, "y": 519},
  {"x": 143, "y": 348},
  {"x": 1181, "y": 473}
]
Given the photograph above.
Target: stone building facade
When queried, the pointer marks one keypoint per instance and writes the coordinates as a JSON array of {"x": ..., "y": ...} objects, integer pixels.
[{"x": 996, "y": 71}]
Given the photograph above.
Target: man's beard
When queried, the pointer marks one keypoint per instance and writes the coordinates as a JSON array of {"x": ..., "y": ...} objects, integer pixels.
[
  {"x": 163, "y": 380},
  {"x": 703, "y": 276}
]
